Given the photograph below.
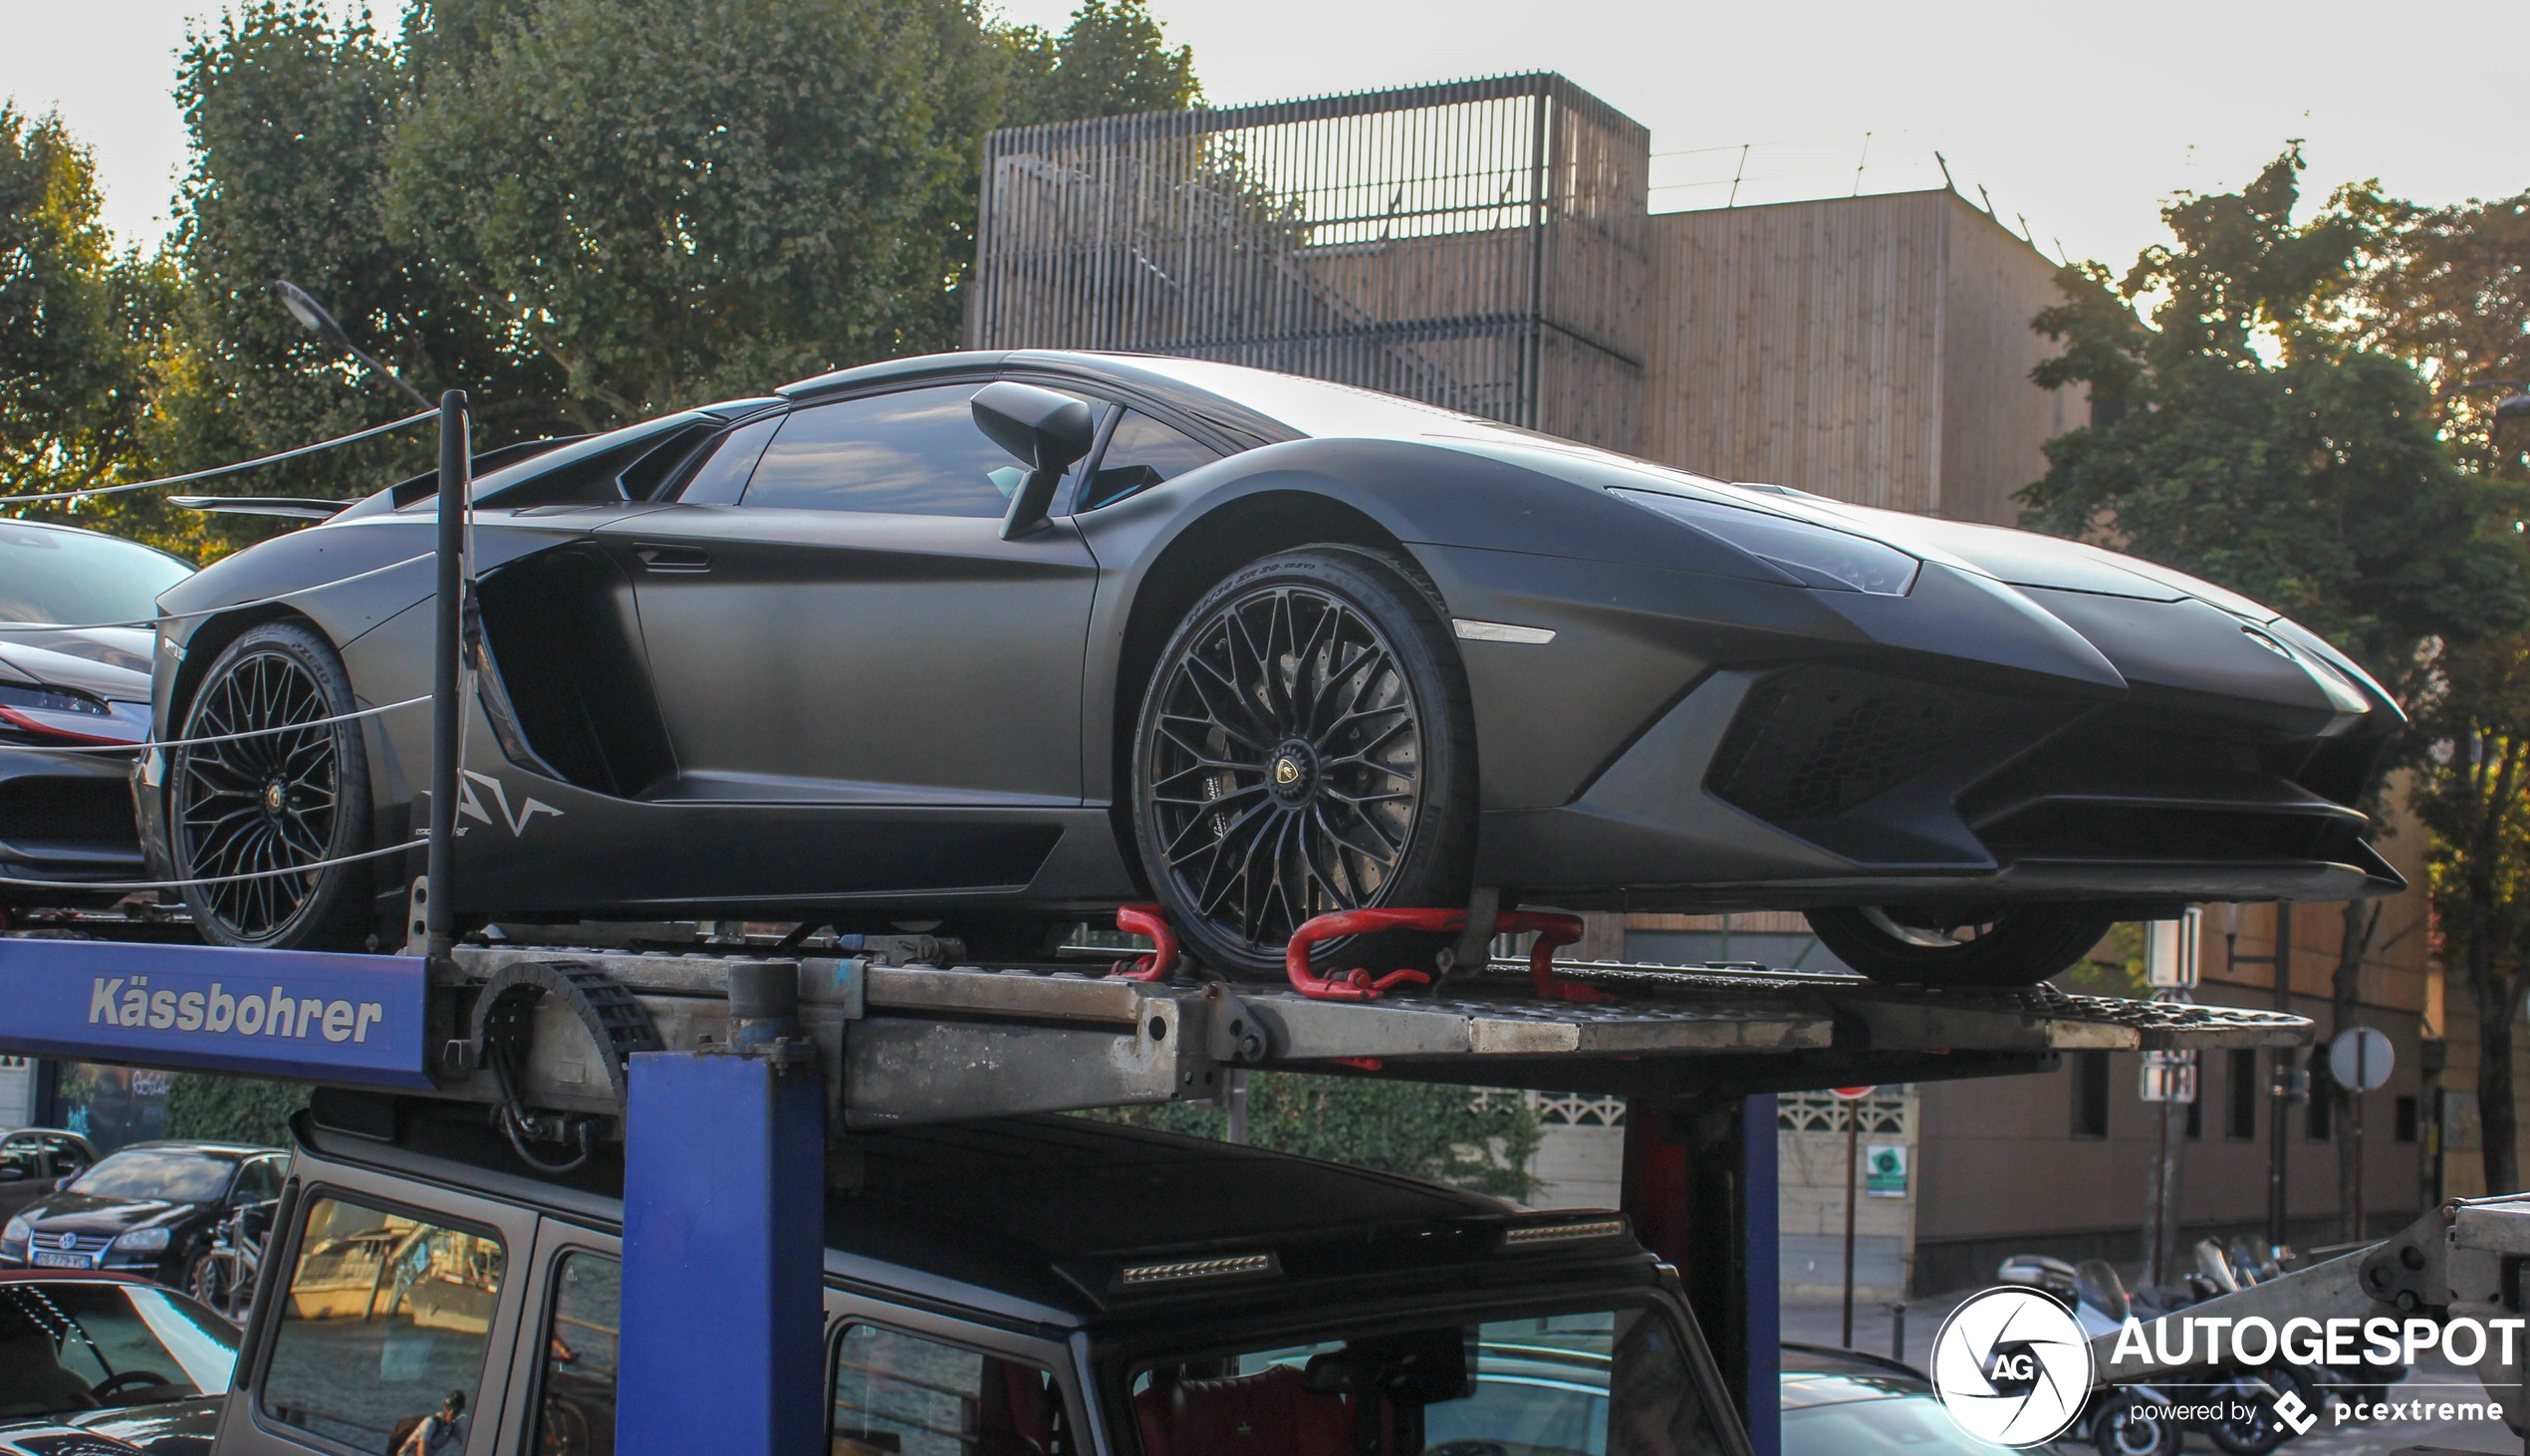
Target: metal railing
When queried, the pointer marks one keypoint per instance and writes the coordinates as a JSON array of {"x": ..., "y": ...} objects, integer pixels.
[{"x": 1480, "y": 245}]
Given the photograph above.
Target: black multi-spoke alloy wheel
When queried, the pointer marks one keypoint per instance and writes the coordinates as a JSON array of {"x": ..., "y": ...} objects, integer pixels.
[
  {"x": 1995, "y": 945},
  {"x": 1306, "y": 746},
  {"x": 273, "y": 800}
]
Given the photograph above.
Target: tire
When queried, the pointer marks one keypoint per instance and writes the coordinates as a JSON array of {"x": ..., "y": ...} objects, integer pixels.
[
  {"x": 1258, "y": 805},
  {"x": 273, "y": 802},
  {"x": 2127, "y": 1426},
  {"x": 2012, "y": 945}
]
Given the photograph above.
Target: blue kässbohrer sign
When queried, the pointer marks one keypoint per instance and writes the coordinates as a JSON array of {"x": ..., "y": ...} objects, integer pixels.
[{"x": 299, "y": 1016}]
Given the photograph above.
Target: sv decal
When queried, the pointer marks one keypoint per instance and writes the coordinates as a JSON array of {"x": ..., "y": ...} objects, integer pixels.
[{"x": 468, "y": 806}]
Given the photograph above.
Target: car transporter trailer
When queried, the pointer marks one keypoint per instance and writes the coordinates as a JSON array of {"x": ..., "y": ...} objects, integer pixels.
[{"x": 727, "y": 1070}]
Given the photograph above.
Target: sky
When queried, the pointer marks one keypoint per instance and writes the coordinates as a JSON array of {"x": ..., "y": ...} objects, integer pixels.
[{"x": 2078, "y": 122}]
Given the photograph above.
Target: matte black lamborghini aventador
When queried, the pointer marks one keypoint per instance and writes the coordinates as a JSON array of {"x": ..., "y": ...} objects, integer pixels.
[{"x": 1005, "y": 639}]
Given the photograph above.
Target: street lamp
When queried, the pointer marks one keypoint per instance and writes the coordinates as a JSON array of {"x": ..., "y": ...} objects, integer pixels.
[{"x": 321, "y": 324}]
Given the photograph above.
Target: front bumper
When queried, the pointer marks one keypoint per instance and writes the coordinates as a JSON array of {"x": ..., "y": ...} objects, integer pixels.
[
  {"x": 66, "y": 818},
  {"x": 1969, "y": 744}
]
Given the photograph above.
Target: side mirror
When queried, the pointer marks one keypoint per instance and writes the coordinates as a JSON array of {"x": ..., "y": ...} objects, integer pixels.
[{"x": 1047, "y": 432}]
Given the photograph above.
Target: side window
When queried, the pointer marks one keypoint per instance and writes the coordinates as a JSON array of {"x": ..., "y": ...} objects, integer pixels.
[
  {"x": 66, "y": 1158},
  {"x": 383, "y": 1330},
  {"x": 258, "y": 1180},
  {"x": 574, "y": 1411},
  {"x": 720, "y": 477},
  {"x": 1142, "y": 453},
  {"x": 898, "y": 1395},
  {"x": 916, "y": 452}
]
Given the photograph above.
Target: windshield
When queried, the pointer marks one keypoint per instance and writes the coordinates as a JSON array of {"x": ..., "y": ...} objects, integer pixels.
[
  {"x": 79, "y": 1345},
  {"x": 74, "y": 578},
  {"x": 178, "y": 1177},
  {"x": 1603, "y": 1382}
]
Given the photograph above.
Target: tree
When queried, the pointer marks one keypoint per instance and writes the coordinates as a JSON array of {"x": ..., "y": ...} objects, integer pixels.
[
  {"x": 2477, "y": 801},
  {"x": 77, "y": 323},
  {"x": 1112, "y": 60},
  {"x": 686, "y": 201},
  {"x": 2263, "y": 429},
  {"x": 232, "y": 1108},
  {"x": 2450, "y": 296},
  {"x": 1446, "y": 1135},
  {"x": 2246, "y": 434},
  {"x": 290, "y": 115}
]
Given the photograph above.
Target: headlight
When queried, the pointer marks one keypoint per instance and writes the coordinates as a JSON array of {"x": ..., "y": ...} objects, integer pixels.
[
  {"x": 144, "y": 1241},
  {"x": 1833, "y": 561},
  {"x": 17, "y": 1232}
]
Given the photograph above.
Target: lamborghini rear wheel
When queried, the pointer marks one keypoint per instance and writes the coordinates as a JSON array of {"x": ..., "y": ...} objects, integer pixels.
[
  {"x": 1306, "y": 746},
  {"x": 259, "y": 809},
  {"x": 1997, "y": 946}
]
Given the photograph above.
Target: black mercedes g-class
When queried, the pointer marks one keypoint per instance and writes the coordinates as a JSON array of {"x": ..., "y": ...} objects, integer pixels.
[{"x": 1047, "y": 1286}]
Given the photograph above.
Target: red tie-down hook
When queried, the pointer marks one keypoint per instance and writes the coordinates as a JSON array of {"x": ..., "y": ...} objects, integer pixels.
[
  {"x": 1148, "y": 920},
  {"x": 1552, "y": 931}
]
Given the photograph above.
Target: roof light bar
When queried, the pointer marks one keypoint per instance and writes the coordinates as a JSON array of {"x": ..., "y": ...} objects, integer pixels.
[
  {"x": 1566, "y": 1233},
  {"x": 1189, "y": 1271}
]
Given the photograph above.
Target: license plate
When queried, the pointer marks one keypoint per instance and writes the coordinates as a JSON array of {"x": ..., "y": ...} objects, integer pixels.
[{"x": 61, "y": 1261}]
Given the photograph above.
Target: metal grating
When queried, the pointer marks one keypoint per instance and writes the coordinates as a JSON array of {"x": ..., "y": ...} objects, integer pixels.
[{"x": 1479, "y": 245}]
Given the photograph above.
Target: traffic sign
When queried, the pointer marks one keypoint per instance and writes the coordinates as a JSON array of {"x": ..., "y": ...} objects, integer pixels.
[{"x": 2361, "y": 1057}]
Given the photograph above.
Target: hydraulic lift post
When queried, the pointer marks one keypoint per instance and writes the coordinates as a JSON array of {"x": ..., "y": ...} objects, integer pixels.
[{"x": 1701, "y": 1180}]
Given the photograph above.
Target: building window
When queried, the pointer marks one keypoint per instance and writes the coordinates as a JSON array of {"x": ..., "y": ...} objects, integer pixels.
[
  {"x": 2321, "y": 1110},
  {"x": 2090, "y": 1094},
  {"x": 2240, "y": 1095},
  {"x": 2197, "y": 1115},
  {"x": 2406, "y": 1119}
]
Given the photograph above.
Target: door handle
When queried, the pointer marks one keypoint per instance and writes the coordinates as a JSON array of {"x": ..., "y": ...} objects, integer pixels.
[{"x": 661, "y": 558}]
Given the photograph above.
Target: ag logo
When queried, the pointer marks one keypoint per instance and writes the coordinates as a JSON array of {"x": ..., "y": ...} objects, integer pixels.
[{"x": 2011, "y": 1368}]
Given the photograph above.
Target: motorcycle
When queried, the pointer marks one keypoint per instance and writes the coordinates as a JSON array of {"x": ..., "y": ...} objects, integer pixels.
[{"x": 2134, "y": 1420}]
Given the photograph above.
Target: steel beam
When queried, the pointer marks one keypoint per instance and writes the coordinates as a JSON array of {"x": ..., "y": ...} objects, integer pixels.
[{"x": 724, "y": 1221}]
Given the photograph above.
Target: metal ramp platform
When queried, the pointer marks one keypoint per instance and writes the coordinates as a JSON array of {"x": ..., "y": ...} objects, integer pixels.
[{"x": 918, "y": 1043}]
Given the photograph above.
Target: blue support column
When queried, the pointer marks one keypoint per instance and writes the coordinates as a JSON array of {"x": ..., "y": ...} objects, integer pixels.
[
  {"x": 1761, "y": 1272},
  {"x": 724, "y": 1220}
]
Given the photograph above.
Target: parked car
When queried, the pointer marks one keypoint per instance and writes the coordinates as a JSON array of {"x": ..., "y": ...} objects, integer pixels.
[
  {"x": 1843, "y": 1402},
  {"x": 66, "y": 817},
  {"x": 1048, "y": 1285},
  {"x": 86, "y": 1356},
  {"x": 36, "y": 1160},
  {"x": 149, "y": 1209},
  {"x": 1001, "y": 639}
]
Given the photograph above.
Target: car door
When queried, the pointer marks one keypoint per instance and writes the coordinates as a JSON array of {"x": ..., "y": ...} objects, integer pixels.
[{"x": 839, "y": 620}]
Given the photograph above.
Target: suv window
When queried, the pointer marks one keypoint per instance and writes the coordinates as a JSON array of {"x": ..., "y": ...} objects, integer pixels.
[
  {"x": 916, "y": 452},
  {"x": 384, "y": 1325},
  {"x": 574, "y": 1411},
  {"x": 1606, "y": 1382},
  {"x": 1141, "y": 454},
  {"x": 898, "y": 1395}
]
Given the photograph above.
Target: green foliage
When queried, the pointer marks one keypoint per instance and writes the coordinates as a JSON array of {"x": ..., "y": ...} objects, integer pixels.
[
  {"x": 1111, "y": 61},
  {"x": 2247, "y": 434},
  {"x": 2113, "y": 967},
  {"x": 232, "y": 1108},
  {"x": 670, "y": 200},
  {"x": 1448, "y": 1135},
  {"x": 77, "y": 323}
]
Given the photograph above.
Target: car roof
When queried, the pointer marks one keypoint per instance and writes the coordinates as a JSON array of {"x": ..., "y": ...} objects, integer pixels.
[
  {"x": 29, "y": 523},
  {"x": 1039, "y": 1215},
  {"x": 238, "y": 1151},
  {"x": 1818, "y": 1375}
]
